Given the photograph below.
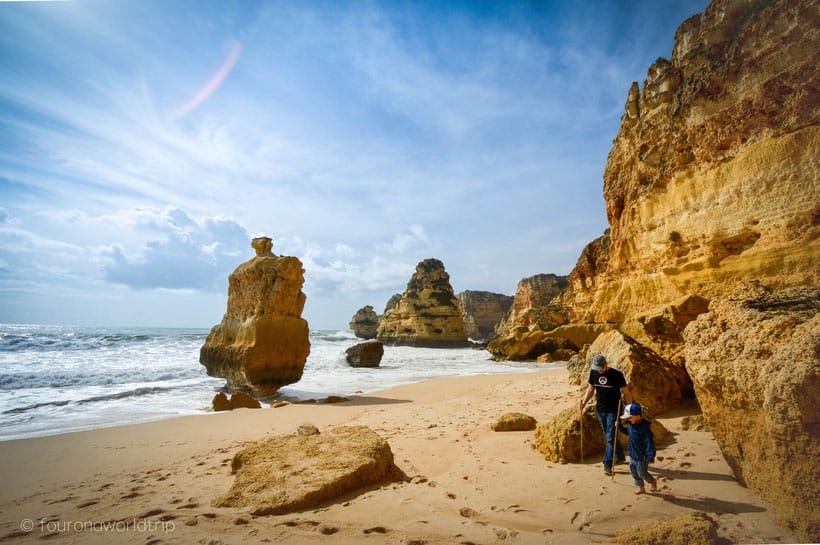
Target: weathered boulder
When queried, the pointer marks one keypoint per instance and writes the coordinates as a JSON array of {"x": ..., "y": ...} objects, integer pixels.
[
  {"x": 529, "y": 344},
  {"x": 367, "y": 354},
  {"x": 533, "y": 304},
  {"x": 514, "y": 422},
  {"x": 559, "y": 440},
  {"x": 299, "y": 471},
  {"x": 365, "y": 323},
  {"x": 483, "y": 311},
  {"x": 239, "y": 400},
  {"x": 692, "y": 528},
  {"x": 755, "y": 361},
  {"x": 428, "y": 313},
  {"x": 262, "y": 342},
  {"x": 653, "y": 381}
]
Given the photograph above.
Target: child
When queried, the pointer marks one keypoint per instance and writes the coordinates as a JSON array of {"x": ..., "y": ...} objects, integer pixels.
[{"x": 641, "y": 447}]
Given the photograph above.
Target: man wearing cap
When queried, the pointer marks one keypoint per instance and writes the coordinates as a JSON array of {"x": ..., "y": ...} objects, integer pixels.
[{"x": 608, "y": 384}]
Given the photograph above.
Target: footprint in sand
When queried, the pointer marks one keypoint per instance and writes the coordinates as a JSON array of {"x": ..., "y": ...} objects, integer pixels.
[
  {"x": 89, "y": 503},
  {"x": 684, "y": 465},
  {"x": 376, "y": 530}
]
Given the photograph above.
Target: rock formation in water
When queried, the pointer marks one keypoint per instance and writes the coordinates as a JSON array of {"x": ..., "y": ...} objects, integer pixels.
[
  {"x": 712, "y": 182},
  {"x": 365, "y": 323},
  {"x": 366, "y": 354},
  {"x": 262, "y": 342},
  {"x": 428, "y": 313},
  {"x": 755, "y": 361},
  {"x": 483, "y": 311}
]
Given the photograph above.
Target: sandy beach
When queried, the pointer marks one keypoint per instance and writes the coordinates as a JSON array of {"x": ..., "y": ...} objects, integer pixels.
[{"x": 154, "y": 483}]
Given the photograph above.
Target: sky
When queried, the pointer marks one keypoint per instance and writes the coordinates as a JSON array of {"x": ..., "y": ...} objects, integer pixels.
[{"x": 143, "y": 143}]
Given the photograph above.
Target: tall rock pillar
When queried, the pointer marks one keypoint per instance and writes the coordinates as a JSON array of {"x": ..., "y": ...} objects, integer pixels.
[{"x": 263, "y": 341}]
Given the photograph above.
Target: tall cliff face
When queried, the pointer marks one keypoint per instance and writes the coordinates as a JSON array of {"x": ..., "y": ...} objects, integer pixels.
[
  {"x": 428, "y": 313},
  {"x": 483, "y": 311},
  {"x": 714, "y": 176},
  {"x": 533, "y": 304},
  {"x": 262, "y": 342}
]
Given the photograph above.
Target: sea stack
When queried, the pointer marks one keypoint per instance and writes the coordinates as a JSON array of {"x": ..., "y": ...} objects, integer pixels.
[
  {"x": 365, "y": 323},
  {"x": 262, "y": 343},
  {"x": 428, "y": 313}
]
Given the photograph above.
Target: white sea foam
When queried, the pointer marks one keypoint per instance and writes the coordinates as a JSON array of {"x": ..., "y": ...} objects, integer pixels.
[{"x": 55, "y": 379}]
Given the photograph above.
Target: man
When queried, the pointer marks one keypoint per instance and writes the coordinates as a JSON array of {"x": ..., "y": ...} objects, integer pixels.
[{"x": 608, "y": 384}]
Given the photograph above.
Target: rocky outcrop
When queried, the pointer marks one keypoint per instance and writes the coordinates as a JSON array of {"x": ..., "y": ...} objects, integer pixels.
[
  {"x": 653, "y": 381},
  {"x": 483, "y": 311},
  {"x": 365, "y": 323},
  {"x": 239, "y": 400},
  {"x": 524, "y": 344},
  {"x": 533, "y": 304},
  {"x": 428, "y": 313},
  {"x": 300, "y": 471},
  {"x": 392, "y": 302},
  {"x": 712, "y": 178},
  {"x": 755, "y": 361},
  {"x": 262, "y": 342},
  {"x": 368, "y": 354},
  {"x": 559, "y": 440}
]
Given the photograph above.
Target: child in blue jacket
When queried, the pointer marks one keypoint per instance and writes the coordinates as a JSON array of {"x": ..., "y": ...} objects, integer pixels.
[{"x": 641, "y": 447}]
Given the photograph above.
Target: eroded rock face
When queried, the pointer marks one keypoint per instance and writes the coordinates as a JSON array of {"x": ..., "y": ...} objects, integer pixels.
[
  {"x": 483, "y": 311},
  {"x": 653, "y": 381},
  {"x": 262, "y": 342},
  {"x": 712, "y": 178},
  {"x": 525, "y": 344},
  {"x": 694, "y": 528},
  {"x": 428, "y": 313},
  {"x": 299, "y": 471},
  {"x": 533, "y": 304},
  {"x": 755, "y": 361},
  {"x": 365, "y": 323}
]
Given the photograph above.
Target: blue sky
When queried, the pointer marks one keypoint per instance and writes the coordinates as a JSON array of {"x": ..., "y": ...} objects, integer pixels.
[{"x": 144, "y": 143}]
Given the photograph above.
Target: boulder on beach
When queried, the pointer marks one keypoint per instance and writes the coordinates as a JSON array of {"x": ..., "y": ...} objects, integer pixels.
[
  {"x": 559, "y": 440},
  {"x": 262, "y": 342},
  {"x": 514, "y": 422},
  {"x": 302, "y": 470},
  {"x": 366, "y": 354},
  {"x": 239, "y": 400}
]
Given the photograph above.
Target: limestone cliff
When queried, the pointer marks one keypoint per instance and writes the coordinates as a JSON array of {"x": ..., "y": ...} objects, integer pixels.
[
  {"x": 533, "y": 304},
  {"x": 714, "y": 176},
  {"x": 365, "y": 323},
  {"x": 483, "y": 311},
  {"x": 428, "y": 313},
  {"x": 755, "y": 361},
  {"x": 262, "y": 342}
]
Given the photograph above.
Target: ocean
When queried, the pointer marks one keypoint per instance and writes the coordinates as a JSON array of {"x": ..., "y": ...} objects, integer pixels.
[{"x": 58, "y": 379}]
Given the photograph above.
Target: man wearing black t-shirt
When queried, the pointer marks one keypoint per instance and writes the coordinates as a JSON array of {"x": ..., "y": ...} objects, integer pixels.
[{"x": 608, "y": 384}]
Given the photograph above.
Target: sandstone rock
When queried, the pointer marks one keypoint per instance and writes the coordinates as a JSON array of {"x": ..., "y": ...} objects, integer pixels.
[
  {"x": 755, "y": 361},
  {"x": 712, "y": 178},
  {"x": 428, "y": 313},
  {"x": 367, "y": 354},
  {"x": 392, "y": 302},
  {"x": 365, "y": 323},
  {"x": 652, "y": 380},
  {"x": 483, "y": 311},
  {"x": 694, "y": 423},
  {"x": 693, "y": 528},
  {"x": 239, "y": 400},
  {"x": 262, "y": 342},
  {"x": 514, "y": 422},
  {"x": 294, "y": 472},
  {"x": 524, "y": 344},
  {"x": 533, "y": 304},
  {"x": 559, "y": 440}
]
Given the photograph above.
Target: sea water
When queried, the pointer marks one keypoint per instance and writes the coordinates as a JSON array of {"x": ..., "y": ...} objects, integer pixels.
[{"x": 57, "y": 379}]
